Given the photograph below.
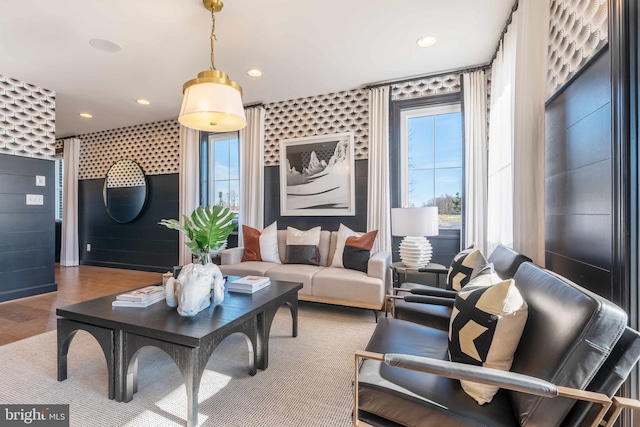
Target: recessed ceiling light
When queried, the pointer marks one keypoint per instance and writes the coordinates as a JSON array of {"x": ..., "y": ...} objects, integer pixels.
[
  {"x": 254, "y": 72},
  {"x": 86, "y": 115},
  {"x": 426, "y": 41},
  {"x": 142, "y": 102},
  {"x": 105, "y": 45}
]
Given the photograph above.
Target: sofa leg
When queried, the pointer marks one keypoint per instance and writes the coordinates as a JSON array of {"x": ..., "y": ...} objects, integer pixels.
[{"x": 375, "y": 313}]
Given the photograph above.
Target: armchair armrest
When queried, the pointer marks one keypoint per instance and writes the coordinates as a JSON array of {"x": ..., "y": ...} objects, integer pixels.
[
  {"x": 379, "y": 267},
  {"x": 231, "y": 256},
  {"x": 434, "y": 292},
  {"x": 503, "y": 379},
  {"x": 422, "y": 299}
]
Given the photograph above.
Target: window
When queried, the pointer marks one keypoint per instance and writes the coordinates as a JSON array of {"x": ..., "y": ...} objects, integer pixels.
[
  {"x": 59, "y": 174},
  {"x": 431, "y": 160},
  {"x": 221, "y": 171}
]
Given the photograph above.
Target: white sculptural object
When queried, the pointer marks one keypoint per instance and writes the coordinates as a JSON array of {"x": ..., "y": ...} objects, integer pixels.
[{"x": 194, "y": 288}]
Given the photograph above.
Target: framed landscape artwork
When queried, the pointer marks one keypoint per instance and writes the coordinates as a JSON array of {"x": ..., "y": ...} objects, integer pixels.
[{"x": 317, "y": 176}]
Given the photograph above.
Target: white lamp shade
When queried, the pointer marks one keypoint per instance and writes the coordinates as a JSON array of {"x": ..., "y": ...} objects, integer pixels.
[
  {"x": 414, "y": 221},
  {"x": 212, "y": 107}
]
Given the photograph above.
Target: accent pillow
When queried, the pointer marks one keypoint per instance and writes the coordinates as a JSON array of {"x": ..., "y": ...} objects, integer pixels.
[
  {"x": 251, "y": 239},
  {"x": 464, "y": 267},
  {"x": 269, "y": 244},
  {"x": 343, "y": 233},
  {"x": 485, "y": 328},
  {"x": 303, "y": 246},
  {"x": 357, "y": 251}
]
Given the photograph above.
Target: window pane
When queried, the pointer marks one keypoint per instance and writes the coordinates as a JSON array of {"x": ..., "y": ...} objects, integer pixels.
[
  {"x": 420, "y": 191},
  {"x": 420, "y": 144},
  {"x": 448, "y": 135},
  {"x": 234, "y": 159},
  {"x": 234, "y": 195},
  {"x": 449, "y": 193},
  {"x": 221, "y": 158},
  {"x": 220, "y": 193}
]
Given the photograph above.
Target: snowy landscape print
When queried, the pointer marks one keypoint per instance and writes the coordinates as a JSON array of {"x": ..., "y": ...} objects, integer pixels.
[{"x": 317, "y": 176}]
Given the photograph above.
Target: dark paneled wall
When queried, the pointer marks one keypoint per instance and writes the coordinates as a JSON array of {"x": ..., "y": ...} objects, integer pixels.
[
  {"x": 141, "y": 244},
  {"x": 26, "y": 232},
  {"x": 578, "y": 179},
  {"x": 272, "y": 204}
]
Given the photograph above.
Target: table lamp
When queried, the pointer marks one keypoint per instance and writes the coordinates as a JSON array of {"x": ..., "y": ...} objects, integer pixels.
[{"x": 415, "y": 224}]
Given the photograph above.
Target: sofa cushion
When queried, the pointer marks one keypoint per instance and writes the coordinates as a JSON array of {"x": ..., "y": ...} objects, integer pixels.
[
  {"x": 269, "y": 250},
  {"x": 464, "y": 267},
  {"x": 343, "y": 233},
  {"x": 295, "y": 273},
  {"x": 357, "y": 251},
  {"x": 485, "y": 328},
  {"x": 303, "y": 246},
  {"x": 248, "y": 268},
  {"x": 251, "y": 239},
  {"x": 348, "y": 285}
]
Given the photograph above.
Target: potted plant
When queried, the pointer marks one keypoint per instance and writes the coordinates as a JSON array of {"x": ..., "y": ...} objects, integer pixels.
[{"x": 207, "y": 229}]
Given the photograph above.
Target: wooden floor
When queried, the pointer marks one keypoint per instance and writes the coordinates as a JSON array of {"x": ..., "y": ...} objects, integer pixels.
[{"x": 26, "y": 317}]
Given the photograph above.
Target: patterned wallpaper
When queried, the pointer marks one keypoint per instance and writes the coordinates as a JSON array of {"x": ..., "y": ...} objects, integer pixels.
[
  {"x": 346, "y": 111},
  {"x": 428, "y": 86},
  {"x": 154, "y": 146},
  {"x": 125, "y": 173},
  {"x": 27, "y": 119},
  {"x": 578, "y": 30}
]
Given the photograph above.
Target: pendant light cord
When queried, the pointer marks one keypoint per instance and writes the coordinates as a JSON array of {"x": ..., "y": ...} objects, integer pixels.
[{"x": 213, "y": 36}]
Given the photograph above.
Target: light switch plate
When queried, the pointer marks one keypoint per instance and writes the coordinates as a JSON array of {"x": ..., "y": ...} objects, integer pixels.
[
  {"x": 35, "y": 199},
  {"x": 41, "y": 180}
]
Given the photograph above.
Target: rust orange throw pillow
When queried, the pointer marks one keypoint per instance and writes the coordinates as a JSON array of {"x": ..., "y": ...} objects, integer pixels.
[
  {"x": 357, "y": 251},
  {"x": 251, "y": 238}
]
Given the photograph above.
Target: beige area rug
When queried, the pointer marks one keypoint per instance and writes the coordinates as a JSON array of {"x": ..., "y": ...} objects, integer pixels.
[{"x": 307, "y": 383}]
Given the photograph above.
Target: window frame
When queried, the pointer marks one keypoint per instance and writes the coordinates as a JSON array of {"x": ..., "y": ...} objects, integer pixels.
[{"x": 409, "y": 113}]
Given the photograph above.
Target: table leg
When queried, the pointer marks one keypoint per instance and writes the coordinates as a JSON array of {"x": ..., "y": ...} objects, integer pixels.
[{"x": 67, "y": 330}]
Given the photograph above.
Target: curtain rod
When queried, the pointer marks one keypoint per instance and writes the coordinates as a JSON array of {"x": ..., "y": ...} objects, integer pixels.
[
  {"x": 427, "y": 76},
  {"x": 504, "y": 31},
  {"x": 255, "y": 104}
]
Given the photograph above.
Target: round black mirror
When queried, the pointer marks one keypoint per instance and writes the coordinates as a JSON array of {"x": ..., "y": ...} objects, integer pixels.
[{"x": 125, "y": 191}]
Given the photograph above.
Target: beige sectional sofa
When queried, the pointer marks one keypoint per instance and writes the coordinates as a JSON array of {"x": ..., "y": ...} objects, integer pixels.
[{"x": 321, "y": 283}]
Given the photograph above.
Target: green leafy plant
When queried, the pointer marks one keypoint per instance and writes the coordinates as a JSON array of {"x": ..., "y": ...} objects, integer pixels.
[{"x": 207, "y": 229}]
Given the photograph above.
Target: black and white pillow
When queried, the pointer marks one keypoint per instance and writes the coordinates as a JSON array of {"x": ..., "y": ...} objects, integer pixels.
[
  {"x": 464, "y": 267},
  {"x": 303, "y": 246},
  {"x": 485, "y": 328}
]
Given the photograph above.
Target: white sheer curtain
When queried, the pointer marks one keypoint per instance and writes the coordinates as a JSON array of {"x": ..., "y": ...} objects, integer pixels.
[
  {"x": 70, "y": 246},
  {"x": 378, "y": 202},
  {"x": 516, "y": 134},
  {"x": 189, "y": 182},
  {"x": 475, "y": 145},
  {"x": 252, "y": 170}
]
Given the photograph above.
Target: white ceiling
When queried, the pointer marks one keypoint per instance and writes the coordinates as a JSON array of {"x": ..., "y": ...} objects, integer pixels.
[{"x": 303, "y": 47}]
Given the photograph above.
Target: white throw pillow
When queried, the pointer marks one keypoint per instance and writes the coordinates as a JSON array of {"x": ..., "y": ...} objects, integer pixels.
[
  {"x": 269, "y": 244},
  {"x": 344, "y": 233}
]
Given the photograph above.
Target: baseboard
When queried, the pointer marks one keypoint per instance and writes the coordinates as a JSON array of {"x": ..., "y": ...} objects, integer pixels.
[
  {"x": 152, "y": 268},
  {"x": 28, "y": 292}
]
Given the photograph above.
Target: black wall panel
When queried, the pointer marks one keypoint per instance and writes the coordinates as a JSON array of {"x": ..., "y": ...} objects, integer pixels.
[
  {"x": 27, "y": 232},
  {"x": 578, "y": 179},
  {"x": 141, "y": 244},
  {"x": 272, "y": 204}
]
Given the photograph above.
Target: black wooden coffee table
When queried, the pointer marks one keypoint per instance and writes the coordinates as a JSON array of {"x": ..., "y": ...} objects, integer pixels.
[{"x": 122, "y": 332}]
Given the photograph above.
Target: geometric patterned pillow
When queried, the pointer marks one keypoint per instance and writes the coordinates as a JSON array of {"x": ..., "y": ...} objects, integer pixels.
[
  {"x": 484, "y": 330},
  {"x": 464, "y": 267}
]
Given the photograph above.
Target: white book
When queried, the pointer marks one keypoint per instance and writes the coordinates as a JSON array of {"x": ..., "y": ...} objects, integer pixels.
[
  {"x": 248, "y": 289},
  {"x": 249, "y": 282},
  {"x": 139, "y": 304},
  {"x": 143, "y": 294}
]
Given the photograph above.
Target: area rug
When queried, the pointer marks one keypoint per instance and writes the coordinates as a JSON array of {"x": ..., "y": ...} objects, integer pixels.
[{"x": 307, "y": 383}]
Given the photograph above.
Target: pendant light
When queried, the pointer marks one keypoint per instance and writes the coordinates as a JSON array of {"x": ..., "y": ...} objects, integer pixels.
[{"x": 212, "y": 102}]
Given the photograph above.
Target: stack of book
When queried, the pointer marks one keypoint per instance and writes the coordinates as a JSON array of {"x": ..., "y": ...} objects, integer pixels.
[
  {"x": 249, "y": 284},
  {"x": 141, "y": 298}
]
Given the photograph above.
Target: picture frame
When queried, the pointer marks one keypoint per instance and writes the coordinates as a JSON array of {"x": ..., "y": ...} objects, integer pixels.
[{"x": 317, "y": 175}]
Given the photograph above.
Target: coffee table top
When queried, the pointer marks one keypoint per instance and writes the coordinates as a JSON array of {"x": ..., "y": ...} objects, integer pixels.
[{"x": 161, "y": 321}]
